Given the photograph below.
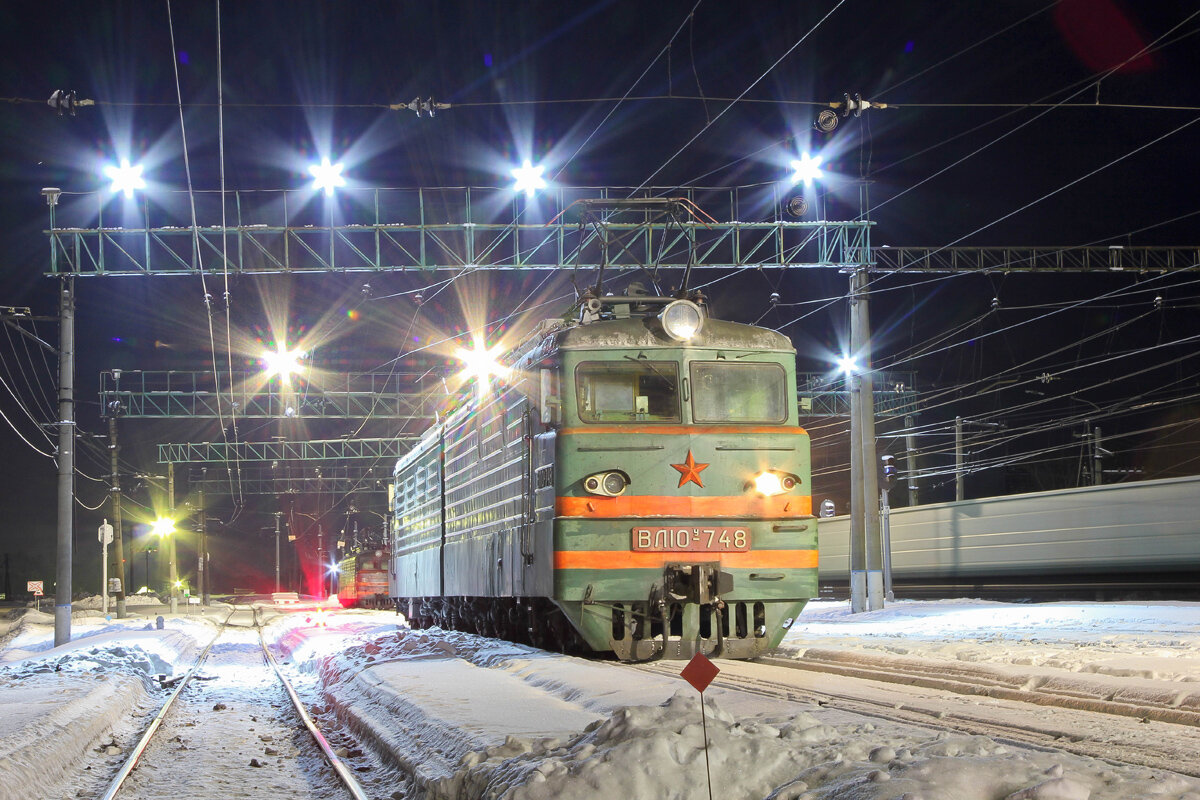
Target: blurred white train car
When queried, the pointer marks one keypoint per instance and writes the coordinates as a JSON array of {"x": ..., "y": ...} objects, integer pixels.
[{"x": 1124, "y": 540}]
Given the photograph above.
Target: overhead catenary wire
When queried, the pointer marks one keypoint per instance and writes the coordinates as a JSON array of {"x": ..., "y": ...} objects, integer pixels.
[{"x": 197, "y": 256}]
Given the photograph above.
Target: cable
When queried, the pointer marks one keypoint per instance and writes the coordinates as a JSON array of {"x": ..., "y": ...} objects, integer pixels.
[{"x": 733, "y": 102}]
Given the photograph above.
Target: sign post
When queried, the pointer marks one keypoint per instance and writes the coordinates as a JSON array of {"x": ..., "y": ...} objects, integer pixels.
[
  {"x": 700, "y": 672},
  {"x": 105, "y": 535},
  {"x": 36, "y": 588}
]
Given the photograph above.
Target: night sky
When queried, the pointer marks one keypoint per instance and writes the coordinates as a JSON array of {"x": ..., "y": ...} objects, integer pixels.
[{"x": 1020, "y": 123}]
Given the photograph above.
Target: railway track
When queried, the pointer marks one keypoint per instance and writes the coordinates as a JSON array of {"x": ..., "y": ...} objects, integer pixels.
[
  {"x": 1048, "y": 722},
  {"x": 234, "y": 727}
]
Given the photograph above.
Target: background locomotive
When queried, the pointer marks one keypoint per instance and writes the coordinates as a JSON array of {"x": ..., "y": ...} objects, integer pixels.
[
  {"x": 362, "y": 580},
  {"x": 638, "y": 482}
]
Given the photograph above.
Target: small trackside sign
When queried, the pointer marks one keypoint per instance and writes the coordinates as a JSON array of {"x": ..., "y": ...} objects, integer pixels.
[
  {"x": 699, "y": 672},
  {"x": 34, "y": 587}
]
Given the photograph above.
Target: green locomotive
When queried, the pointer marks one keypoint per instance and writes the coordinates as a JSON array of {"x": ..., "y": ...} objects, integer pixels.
[{"x": 639, "y": 482}]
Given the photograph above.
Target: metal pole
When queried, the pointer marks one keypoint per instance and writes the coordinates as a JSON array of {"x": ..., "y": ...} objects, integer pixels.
[
  {"x": 172, "y": 579},
  {"x": 1097, "y": 456},
  {"x": 202, "y": 556},
  {"x": 959, "y": 489},
  {"x": 278, "y": 514},
  {"x": 885, "y": 519},
  {"x": 103, "y": 571},
  {"x": 66, "y": 459},
  {"x": 118, "y": 540},
  {"x": 910, "y": 458},
  {"x": 321, "y": 561}
]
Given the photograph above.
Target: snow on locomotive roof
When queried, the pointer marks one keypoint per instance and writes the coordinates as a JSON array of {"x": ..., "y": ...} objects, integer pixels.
[{"x": 645, "y": 332}]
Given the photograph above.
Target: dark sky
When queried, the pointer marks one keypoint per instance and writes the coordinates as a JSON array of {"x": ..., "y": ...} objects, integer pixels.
[{"x": 1107, "y": 158}]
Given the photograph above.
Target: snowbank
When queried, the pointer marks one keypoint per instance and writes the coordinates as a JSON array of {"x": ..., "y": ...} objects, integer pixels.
[{"x": 658, "y": 752}]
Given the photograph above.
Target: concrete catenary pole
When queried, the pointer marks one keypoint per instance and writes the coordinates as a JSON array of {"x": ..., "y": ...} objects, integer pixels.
[
  {"x": 66, "y": 459},
  {"x": 866, "y": 571},
  {"x": 202, "y": 564},
  {"x": 172, "y": 578},
  {"x": 960, "y": 492},
  {"x": 910, "y": 458},
  {"x": 115, "y": 491},
  {"x": 278, "y": 514}
]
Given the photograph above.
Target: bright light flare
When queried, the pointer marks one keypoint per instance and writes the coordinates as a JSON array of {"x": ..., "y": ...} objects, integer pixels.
[
  {"x": 481, "y": 363},
  {"x": 125, "y": 178},
  {"x": 768, "y": 484},
  {"x": 848, "y": 365},
  {"x": 282, "y": 362},
  {"x": 807, "y": 169},
  {"x": 327, "y": 176},
  {"x": 528, "y": 178},
  {"x": 162, "y": 527}
]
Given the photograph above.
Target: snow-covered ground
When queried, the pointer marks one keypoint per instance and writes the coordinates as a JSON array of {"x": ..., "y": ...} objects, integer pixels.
[{"x": 477, "y": 718}]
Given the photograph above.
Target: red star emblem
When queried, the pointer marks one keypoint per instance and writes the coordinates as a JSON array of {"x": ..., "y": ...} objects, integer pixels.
[{"x": 689, "y": 470}]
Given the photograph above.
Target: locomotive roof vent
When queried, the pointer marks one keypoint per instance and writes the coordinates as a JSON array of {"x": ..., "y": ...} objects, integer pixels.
[{"x": 681, "y": 320}]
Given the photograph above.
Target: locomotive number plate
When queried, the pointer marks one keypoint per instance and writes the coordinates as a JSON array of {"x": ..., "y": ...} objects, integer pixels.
[{"x": 691, "y": 540}]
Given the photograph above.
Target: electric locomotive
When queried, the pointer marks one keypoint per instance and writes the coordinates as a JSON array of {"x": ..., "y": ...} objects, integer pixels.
[
  {"x": 638, "y": 482},
  {"x": 363, "y": 579}
]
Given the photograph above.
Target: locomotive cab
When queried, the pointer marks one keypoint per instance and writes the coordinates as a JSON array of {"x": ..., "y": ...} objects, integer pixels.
[{"x": 683, "y": 511}]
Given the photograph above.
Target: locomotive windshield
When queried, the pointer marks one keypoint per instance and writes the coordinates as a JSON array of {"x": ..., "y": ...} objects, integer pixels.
[
  {"x": 628, "y": 391},
  {"x": 723, "y": 391}
]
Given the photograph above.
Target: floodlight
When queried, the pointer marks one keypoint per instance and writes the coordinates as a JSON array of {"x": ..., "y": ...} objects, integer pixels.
[
  {"x": 327, "y": 176},
  {"x": 162, "y": 527},
  {"x": 681, "y": 320},
  {"x": 282, "y": 362},
  {"x": 125, "y": 178},
  {"x": 479, "y": 362},
  {"x": 848, "y": 365},
  {"x": 807, "y": 168},
  {"x": 528, "y": 178}
]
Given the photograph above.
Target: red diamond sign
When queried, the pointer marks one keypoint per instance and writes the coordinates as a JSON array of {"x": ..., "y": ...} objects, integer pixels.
[{"x": 700, "y": 672}]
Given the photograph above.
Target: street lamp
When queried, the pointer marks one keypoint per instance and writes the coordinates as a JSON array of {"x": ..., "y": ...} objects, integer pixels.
[
  {"x": 806, "y": 169},
  {"x": 164, "y": 528},
  {"x": 327, "y": 176},
  {"x": 528, "y": 178},
  {"x": 125, "y": 178}
]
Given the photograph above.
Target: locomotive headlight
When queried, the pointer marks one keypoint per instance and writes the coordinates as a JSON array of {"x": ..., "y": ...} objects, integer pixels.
[
  {"x": 681, "y": 320},
  {"x": 769, "y": 483},
  {"x": 606, "y": 484}
]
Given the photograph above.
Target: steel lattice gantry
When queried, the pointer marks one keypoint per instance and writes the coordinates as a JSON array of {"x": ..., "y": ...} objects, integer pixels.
[
  {"x": 1034, "y": 259},
  {"x": 260, "y": 480},
  {"x": 182, "y": 393},
  {"x": 380, "y": 450},
  {"x": 367, "y": 230},
  {"x": 338, "y": 466},
  {"x": 894, "y": 394}
]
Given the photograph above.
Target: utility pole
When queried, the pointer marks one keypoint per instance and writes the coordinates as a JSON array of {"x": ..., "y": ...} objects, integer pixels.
[
  {"x": 1097, "y": 456},
  {"x": 202, "y": 557},
  {"x": 115, "y": 493},
  {"x": 866, "y": 572},
  {"x": 66, "y": 455},
  {"x": 959, "y": 488},
  {"x": 910, "y": 458},
  {"x": 278, "y": 514},
  {"x": 172, "y": 579},
  {"x": 321, "y": 560}
]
